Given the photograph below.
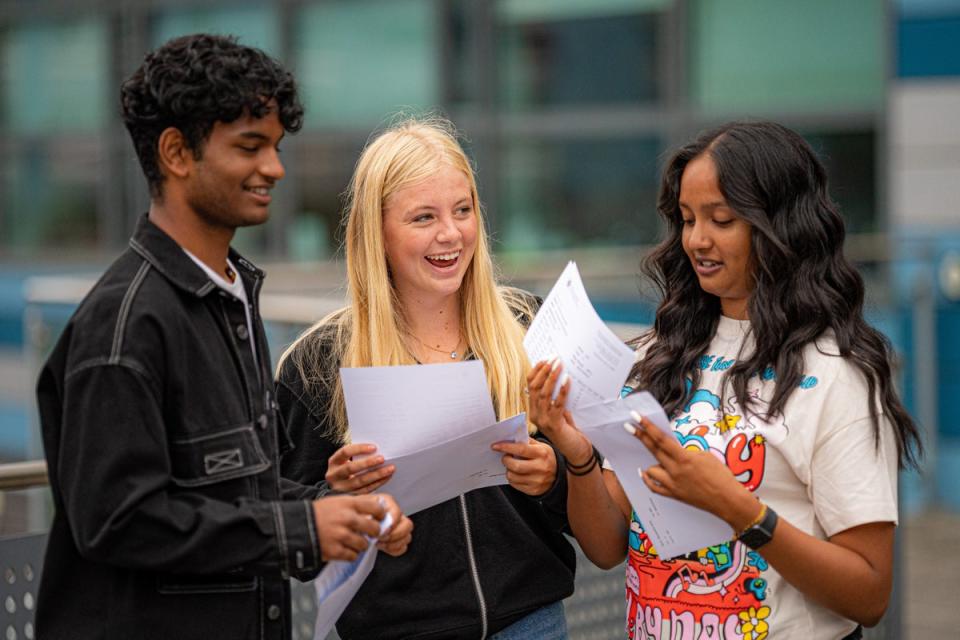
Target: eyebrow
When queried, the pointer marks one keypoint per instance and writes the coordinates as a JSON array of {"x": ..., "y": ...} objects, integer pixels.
[
  {"x": 709, "y": 207},
  {"x": 256, "y": 135}
]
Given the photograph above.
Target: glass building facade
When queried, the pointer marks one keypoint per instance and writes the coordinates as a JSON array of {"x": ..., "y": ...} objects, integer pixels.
[{"x": 568, "y": 107}]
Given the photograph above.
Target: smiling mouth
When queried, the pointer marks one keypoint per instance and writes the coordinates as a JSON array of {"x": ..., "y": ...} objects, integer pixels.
[
  {"x": 704, "y": 266},
  {"x": 444, "y": 259},
  {"x": 260, "y": 192}
]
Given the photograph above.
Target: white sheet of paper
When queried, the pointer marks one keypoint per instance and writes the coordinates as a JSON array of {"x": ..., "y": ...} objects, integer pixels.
[
  {"x": 675, "y": 528},
  {"x": 447, "y": 469},
  {"x": 568, "y": 326},
  {"x": 408, "y": 408},
  {"x": 339, "y": 581}
]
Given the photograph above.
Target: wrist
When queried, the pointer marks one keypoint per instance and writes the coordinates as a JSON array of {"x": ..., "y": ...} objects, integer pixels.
[
  {"x": 744, "y": 512},
  {"x": 580, "y": 453}
]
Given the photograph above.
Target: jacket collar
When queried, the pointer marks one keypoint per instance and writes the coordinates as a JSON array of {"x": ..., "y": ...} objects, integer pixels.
[{"x": 167, "y": 257}]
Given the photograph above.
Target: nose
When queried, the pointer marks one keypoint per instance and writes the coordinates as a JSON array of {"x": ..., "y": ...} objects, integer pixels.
[
  {"x": 271, "y": 167},
  {"x": 449, "y": 231},
  {"x": 698, "y": 236}
]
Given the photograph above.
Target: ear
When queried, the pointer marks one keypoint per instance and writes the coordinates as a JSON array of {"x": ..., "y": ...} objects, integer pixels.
[{"x": 173, "y": 155}]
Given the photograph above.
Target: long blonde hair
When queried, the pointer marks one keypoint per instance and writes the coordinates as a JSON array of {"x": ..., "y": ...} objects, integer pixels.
[{"x": 371, "y": 330}]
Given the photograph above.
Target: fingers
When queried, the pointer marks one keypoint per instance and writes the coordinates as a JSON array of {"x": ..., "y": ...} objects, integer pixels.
[
  {"x": 395, "y": 543},
  {"x": 344, "y": 453},
  {"x": 662, "y": 445},
  {"x": 352, "y": 469},
  {"x": 560, "y": 401},
  {"x": 658, "y": 480},
  {"x": 516, "y": 449}
]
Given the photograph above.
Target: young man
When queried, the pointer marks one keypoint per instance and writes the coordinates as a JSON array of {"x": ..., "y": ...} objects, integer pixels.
[{"x": 157, "y": 404}]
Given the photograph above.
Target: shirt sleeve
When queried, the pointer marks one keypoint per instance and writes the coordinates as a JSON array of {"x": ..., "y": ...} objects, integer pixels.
[
  {"x": 117, "y": 474},
  {"x": 854, "y": 476}
]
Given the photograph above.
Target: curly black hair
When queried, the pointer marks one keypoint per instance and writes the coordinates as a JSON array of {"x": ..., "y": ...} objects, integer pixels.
[
  {"x": 193, "y": 82},
  {"x": 803, "y": 284}
]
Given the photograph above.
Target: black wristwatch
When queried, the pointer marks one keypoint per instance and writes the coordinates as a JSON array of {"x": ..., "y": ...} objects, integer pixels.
[{"x": 760, "y": 533}]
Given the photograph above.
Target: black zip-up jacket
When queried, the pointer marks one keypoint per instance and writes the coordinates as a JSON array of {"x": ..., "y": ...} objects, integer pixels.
[
  {"x": 162, "y": 442},
  {"x": 476, "y": 564}
]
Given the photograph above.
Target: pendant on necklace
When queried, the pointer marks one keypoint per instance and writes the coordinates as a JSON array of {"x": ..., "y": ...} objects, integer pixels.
[{"x": 453, "y": 355}]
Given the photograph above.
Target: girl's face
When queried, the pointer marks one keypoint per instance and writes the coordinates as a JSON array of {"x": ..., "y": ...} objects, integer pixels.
[
  {"x": 715, "y": 239},
  {"x": 430, "y": 233}
]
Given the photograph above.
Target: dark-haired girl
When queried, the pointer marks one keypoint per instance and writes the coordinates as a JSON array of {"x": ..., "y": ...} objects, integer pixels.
[{"x": 785, "y": 421}]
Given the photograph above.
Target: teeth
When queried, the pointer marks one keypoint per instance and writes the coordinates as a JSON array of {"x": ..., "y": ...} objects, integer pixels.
[
  {"x": 444, "y": 256},
  {"x": 260, "y": 191},
  {"x": 708, "y": 263}
]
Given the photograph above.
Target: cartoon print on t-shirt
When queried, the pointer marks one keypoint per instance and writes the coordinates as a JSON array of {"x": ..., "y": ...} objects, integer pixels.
[{"x": 718, "y": 592}]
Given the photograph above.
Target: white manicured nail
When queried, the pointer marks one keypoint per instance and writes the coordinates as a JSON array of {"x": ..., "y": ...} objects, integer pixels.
[
  {"x": 636, "y": 416},
  {"x": 554, "y": 363},
  {"x": 629, "y": 428},
  {"x": 564, "y": 380}
]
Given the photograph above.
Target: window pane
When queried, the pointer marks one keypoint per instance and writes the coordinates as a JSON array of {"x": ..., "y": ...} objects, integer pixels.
[
  {"x": 753, "y": 57},
  {"x": 50, "y": 193},
  {"x": 358, "y": 62},
  {"x": 255, "y": 26},
  {"x": 578, "y": 193},
  {"x": 54, "y": 77},
  {"x": 850, "y": 158},
  {"x": 552, "y": 9},
  {"x": 578, "y": 61}
]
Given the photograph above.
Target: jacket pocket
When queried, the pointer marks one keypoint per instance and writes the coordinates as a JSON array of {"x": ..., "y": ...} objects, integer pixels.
[
  {"x": 216, "y": 457},
  {"x": 223, "y": 583}
]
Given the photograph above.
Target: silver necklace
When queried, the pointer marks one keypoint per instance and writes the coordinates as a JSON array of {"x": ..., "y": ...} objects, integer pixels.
[{"x": 453, "y": 353}]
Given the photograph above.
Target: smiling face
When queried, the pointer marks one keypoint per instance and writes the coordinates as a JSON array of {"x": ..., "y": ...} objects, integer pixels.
[
  {"x": 716, "y": 240},
  {"x": 229, "y": 186},
  {"x": 430, "y": 234}
]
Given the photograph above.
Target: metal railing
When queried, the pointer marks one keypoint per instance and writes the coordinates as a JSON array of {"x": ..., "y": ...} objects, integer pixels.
[{"x": 23, "y": 475}]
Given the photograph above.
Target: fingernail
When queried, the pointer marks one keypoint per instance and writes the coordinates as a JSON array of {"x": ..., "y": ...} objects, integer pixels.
[
  {"x": 636, "y": 416},
  {"x": 629, "y": 428},
  {"x": 554, "y": 363}
]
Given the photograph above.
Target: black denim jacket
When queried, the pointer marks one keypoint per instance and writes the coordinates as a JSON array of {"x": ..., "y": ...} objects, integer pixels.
[{"x": 162, "y": 440}]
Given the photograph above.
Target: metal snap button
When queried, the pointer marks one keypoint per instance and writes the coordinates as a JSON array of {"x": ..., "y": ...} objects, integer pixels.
[
  {"x": 273, "y": 612},
  {"x": 242, "y": 332}
]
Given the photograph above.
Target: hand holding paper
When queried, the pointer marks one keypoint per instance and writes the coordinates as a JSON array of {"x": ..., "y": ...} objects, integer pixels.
[
  {"x": 339, "y": 582},
  {"x": 568, "y": 326},
  {"x": 674, "y": 527},
  {"x": 433, "y": 424}
]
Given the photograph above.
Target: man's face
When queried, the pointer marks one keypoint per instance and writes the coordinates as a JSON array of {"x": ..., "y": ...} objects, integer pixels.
[{"x": 240, "y": 163}]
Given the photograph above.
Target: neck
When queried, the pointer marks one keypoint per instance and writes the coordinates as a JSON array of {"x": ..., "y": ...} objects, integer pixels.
[
  {"x": 434, "y": 322},
  {"x": 210, "y": 244}
]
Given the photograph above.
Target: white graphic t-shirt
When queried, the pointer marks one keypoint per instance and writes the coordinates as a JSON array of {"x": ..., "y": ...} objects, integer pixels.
[{"x": 816, "y": 466}]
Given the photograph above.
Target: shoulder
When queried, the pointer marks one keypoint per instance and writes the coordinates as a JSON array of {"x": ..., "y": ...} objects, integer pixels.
[
  {"x": 523, "y": 304},
  {"x": 314, "y": 355},
  {"x": 131, "y": 311}
]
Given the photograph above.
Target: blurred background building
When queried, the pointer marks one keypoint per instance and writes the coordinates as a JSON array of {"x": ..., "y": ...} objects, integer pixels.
[{"x": 568, "y": 108}]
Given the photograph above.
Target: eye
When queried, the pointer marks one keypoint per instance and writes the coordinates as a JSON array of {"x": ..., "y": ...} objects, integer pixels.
[
  {"x": 249, "y": 149},
  {"x": 423, "y": 217},
  {"x": 687, "y": 222},
  {"x": 464, "y": 211},
  {"x": 723, "y": 222}
]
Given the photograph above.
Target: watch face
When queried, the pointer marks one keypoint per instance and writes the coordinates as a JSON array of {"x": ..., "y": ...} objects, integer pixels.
[
  {"x": 762, "y": 532},
  {"x": 755, "y": 537}
]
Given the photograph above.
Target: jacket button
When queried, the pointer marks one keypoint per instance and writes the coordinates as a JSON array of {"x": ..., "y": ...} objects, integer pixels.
[
  {"x": 263, "y": 421},
  {"x": 242, "y": 332},
  {"x": 273, "y": 612}
]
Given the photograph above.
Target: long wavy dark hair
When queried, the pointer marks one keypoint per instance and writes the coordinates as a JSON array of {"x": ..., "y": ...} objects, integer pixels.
[{"x": 803, "y": 285}]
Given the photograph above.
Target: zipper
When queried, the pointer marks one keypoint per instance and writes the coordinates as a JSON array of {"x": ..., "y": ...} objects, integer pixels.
[{"x": 473, "y": 567}]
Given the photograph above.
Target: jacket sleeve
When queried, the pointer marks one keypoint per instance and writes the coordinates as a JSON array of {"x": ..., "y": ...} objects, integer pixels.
[
  {"x": 126, "y": 506},
  {"x": 307, "y": 423}
]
